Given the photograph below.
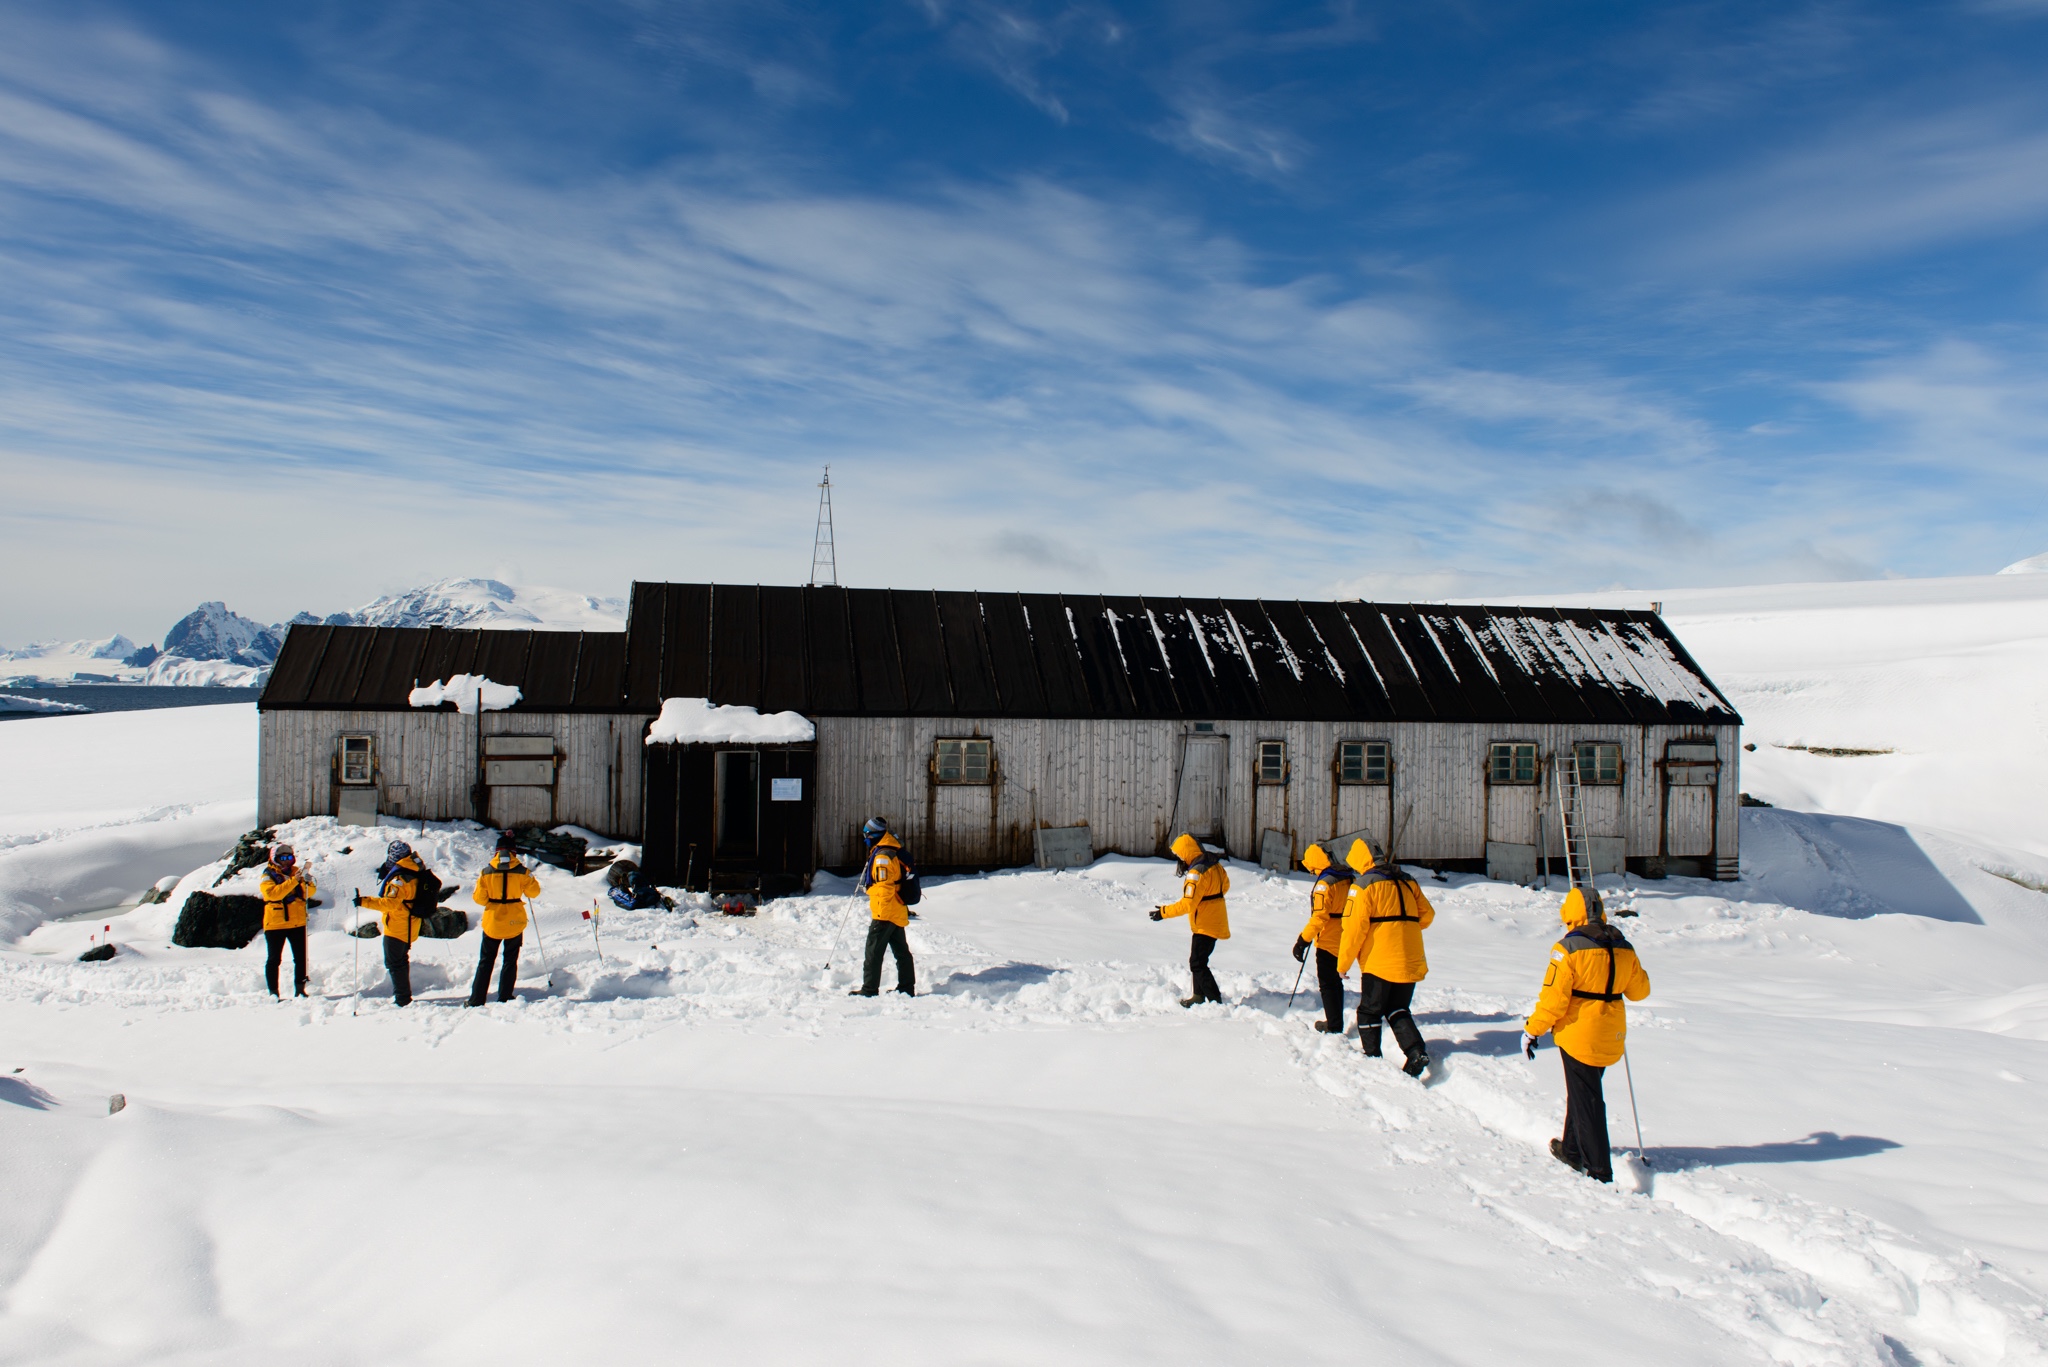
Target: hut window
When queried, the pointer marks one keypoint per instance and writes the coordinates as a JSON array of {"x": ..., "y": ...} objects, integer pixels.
[
  {"x": 964, "y": 761},
  {"x": 1272, "y": 761},
  {"x": 1598, "y": 761},
  {"x": 1511, "y": 761},
  {"x": 358, "y": 760},
  {"x": 1362, "y": 761}
]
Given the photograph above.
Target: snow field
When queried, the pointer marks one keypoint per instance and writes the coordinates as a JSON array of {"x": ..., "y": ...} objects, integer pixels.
[
  {"x": 97, "y": 808},
  {"x": 692, "y": 1148}
]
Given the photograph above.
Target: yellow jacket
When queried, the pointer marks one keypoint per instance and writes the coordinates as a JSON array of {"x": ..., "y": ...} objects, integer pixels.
[
  {"x": 284, "y": 898},
  {"x": 883, "y": 879},
  {"x": 395, "y": 903},
  {"x": 1593, "y": 974},
  {"x": 1384, "y": 921},
  {"x": 1201, "y": 891},
  {"x": 498, "y": 890},
  {"x": 1326, "y": 900}
]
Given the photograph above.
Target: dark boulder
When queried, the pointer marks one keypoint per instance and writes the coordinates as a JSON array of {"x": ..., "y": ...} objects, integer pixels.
[{"x": 210, "y": 922}]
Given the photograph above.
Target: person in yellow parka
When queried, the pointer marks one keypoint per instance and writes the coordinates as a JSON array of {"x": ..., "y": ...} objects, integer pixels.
[
  {"x": 400, "y": 875},
  {"x": 1593, "y": 975},
  {"x": 1204, "y": 880},
  {"x": 1383, "y": 928},
  {"x": 1325, "y": 930},
  {"x": 889, "y": 918},
  {"x": 501, "y": 890},
  {"x": 285, "y": 894}
]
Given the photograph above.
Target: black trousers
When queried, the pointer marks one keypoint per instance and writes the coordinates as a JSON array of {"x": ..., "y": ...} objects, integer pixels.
[
  {"x": 1585, "y": 1119},
  {"x": 507, "y": 980},
  {"x": 398, "y": 963},
  {"x": 1198, "y": 963},
  {"x": 1332, "y": 984},
  {"x": 1380, "y": 1000},
  {"x": 894, "y": 938},
  {"x": 276, "y": 940}
]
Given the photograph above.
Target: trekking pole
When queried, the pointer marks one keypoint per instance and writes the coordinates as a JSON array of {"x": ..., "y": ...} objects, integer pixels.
[
  {"x": 1297, "y": 983},
  {"x": 534, "y": 917},
  {"x": 840, "y": 934},
  {"x": 1629, "y": 1073},
  {"x": 357, "y": 895}
]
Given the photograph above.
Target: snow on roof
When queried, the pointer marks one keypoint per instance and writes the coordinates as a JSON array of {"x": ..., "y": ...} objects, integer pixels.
[
  {"x": 694, "y": 721},
  {"x": 466, "y": 691}
]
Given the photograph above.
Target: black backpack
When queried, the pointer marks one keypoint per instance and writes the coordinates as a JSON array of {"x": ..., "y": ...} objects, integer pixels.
[
  {"x": 908, "y": 891},
  {"x": 426, "y": 893}
]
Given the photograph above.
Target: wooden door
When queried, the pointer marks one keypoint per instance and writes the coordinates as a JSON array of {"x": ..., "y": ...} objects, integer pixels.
[{"x": 1201, "y": 802}]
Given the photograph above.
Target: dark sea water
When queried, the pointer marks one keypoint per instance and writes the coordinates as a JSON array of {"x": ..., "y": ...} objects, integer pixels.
[{"x": 124, "y": 697}]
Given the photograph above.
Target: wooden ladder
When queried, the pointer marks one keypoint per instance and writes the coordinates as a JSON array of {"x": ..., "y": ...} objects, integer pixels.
[{"x": 1578, "y": 862}]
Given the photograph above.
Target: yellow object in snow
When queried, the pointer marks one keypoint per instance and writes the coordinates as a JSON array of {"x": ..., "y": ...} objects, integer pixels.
[
  {"x": 499, "y": 889},
  {"x": 1201, "y": 891}
]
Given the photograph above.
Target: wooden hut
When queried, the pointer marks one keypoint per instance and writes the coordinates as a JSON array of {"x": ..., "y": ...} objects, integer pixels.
[{"x": 978, "y": 724}]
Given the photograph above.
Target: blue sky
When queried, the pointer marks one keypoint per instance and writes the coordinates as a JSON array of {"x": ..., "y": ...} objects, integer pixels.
[{"x": 300, "y": 304}]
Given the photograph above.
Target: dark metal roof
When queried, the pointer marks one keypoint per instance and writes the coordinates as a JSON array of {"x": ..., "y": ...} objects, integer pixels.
[
  {"x": 879, "y": 652},
  {"x": 374, "y": 669},
  {"x": 891, "y": 652}
]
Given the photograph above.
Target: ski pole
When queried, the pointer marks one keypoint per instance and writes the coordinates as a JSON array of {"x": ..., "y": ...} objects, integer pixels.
[
  {"x": 357, "y": 990},
  {"x": 1629, "y": 1073},
  {"x": 534, "y": 917},
  {"x": 1297, "y": 983},
  {"x": 840, "y": 934}
]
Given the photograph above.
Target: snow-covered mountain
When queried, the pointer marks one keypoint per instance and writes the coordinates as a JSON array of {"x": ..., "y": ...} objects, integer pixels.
[
  {"x": 211, "y": 632},
  {"x": 106, "y": 658},
  {"x": 2033, "y": 564},
  {"x": 488, "y": 603},
  {"x": 215, "y": 646}
]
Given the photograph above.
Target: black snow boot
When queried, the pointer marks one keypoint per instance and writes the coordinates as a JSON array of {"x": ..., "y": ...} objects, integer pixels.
[
  {"x": 1557, "y": 1152},
  {"x": 1369, "y": 1040},
  {"x": 1410, "y": 1038}
]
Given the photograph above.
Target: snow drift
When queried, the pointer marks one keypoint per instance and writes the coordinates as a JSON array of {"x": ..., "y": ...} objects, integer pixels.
[{"x": 694, "y": 721}]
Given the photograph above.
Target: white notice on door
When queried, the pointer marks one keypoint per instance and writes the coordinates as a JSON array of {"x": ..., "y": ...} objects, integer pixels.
[{"x": 785, "y": 790}]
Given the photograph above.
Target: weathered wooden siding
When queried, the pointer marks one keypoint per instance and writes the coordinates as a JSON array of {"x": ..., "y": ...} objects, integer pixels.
[
  {"x": 1121, "y": 777},
  {"x": 427, "y": 766}
]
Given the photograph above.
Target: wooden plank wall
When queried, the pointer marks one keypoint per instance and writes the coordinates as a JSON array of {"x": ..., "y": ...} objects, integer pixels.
[
  {"x": 427, "y": 763},
  {"x": 1120, "y": 778}
]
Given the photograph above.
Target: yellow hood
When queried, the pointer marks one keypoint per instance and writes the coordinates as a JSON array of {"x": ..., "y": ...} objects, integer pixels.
[
  {"x": 1187, "y": 849},
  {"x": 1315, "y": 859}
]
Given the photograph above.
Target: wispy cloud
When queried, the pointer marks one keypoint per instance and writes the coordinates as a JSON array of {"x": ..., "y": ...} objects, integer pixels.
[{"x": 1864, "y": 190}]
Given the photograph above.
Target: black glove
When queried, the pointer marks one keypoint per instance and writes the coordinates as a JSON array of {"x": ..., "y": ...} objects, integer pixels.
[
  {"x": 359, "y": 898},
  {"x": 1528, "y": 1046},
  {"x": 1300, "y": 951},
  {"x": 1157, "y": 913}
]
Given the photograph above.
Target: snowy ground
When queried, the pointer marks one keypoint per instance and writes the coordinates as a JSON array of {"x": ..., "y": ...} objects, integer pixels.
[
  {"x": 698, "y": 1148},
  {"x": 695, "y": 1148}
]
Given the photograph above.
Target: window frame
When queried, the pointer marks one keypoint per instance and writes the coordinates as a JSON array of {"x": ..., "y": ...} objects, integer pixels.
[
  {"x": 1620, "y": 764},
  {"x": 966, "y": 746},
  {"x": 341, "y": 769},
  {"x": 1260, "y": 749},
  {"x": 1513, "y": 747},
  {"x": 1365, "y": 757}
]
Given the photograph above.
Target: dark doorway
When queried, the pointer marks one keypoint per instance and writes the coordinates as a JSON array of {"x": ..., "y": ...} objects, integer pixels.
[
  {"x": 738, "y": 804},
  {"x": 730, "y": 820}
]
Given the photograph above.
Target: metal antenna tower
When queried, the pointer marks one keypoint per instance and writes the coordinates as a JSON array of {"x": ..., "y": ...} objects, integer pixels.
[{"x": 824, "y": 560}]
